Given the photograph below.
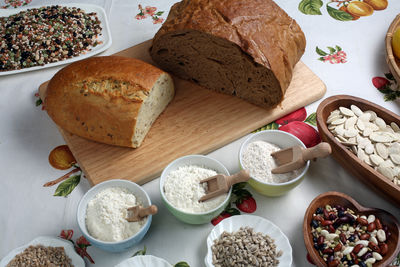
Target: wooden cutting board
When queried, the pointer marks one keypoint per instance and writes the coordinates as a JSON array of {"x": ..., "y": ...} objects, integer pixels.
[{"x": 197, "y": 121}]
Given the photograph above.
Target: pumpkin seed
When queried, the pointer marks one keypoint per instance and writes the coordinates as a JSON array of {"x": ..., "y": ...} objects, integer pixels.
[
  {"x": 373, "y": 115},
  {"x": 375, "y": 159},
  {"x": 349, "y": 124},
  {"x": 394, "y": 126},
  {"x": 356, "y": 110},
  {"x": 386, "y": 171},
  {"x": 365, "y": 117},
  {"x": 380, "y": 137},
  {"x": 346, "y": 111},
  {"x": 395, "y": 158},
  {"x": 381, "y": 150},
  {"x": 338, "y": 121}
]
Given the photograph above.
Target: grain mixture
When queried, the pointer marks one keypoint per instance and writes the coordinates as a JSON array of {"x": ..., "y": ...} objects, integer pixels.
[
  {"x": 48, "y": 34},
  {"x": 41, "y": 256},
  {"x": 244, "y": 248}
]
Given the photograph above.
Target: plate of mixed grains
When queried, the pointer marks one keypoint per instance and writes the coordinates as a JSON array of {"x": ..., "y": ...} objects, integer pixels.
[
  {"x": 46, "y": 36},
  {"x": 247, "y": 240},
  {"x": 44, "y": 251}
]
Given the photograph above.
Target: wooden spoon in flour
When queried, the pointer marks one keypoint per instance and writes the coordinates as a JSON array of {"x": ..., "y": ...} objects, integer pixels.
[
  {"x": 137, "y": 213},
  {"x": 295, "y": 157},
  {"x": 220, "y": 183}
]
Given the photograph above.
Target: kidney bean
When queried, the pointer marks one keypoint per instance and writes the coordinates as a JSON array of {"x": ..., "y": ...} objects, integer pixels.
[
  {"x": 353, "y": 256},
  {"x": 365, "y": 236},
  {"x": 343, "y": 238},
  {"x": 331, "y": 229},
  {"x": 357, "y": 248},
  {"x": 374, "y": 247},
  {"x": 384, "y": 249},
  {"x": 339, "y": 208},
  {"x": 378, "y": 224},
  {"x": 341, "y": 220},
  {"x": 326, "y": 214},
  {"x": 326, "y": 222},
  {"x": 330, "y": 258},
  {"x": 338, "y": 247},
  {"x": 318, "y": 218},
  {"x": 371, "y": 227},
  {"x": 328, "y": 251},
  {"x": 362, "y": 221},
  {"x": 320, "y": 240},
  {"x": 334, "y": 263}
]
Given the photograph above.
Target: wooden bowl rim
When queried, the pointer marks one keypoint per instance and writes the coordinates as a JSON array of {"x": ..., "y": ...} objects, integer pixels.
[
  {"x": 390, "y": 58},
  {"x": 307, "y": 229},
  {"x": 322, "y": 123}
]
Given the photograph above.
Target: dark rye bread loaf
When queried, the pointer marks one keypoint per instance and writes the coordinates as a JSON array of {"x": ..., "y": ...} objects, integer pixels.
[{"x": 243, "y": 48}]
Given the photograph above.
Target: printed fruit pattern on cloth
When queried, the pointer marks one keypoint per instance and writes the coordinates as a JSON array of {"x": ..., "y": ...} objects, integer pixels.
[
  {"x": 343, "y": 10},
  {"x": 15, "y": 3},
  {"x": 80, "y": 245},
  {"x": 149, "y": 11},
  {"x": 335, "y": 55},
  {"x": 388, "y": 86}
]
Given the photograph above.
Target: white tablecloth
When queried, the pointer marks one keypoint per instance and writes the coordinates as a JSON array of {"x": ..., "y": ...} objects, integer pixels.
[{"x": 27, "y": 135}]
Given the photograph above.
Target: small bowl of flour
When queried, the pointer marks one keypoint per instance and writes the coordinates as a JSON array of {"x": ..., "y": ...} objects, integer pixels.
[
  {"x": 255, "y": 156},
  {"x": 181, "y": 189},
  {"x": 102, "y": 214}
]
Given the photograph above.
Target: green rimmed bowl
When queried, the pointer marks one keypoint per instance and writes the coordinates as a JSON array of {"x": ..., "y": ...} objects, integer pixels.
[
  {"x": 283, "y": 140},
  {"x": 202, "y": 161}
]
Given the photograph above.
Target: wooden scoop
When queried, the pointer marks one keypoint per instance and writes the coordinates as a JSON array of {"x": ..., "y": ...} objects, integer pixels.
[
  {"x": 137, "y": 213},
  {"x": 295, "y": 157},
  {"x": 220, "y": 183}
]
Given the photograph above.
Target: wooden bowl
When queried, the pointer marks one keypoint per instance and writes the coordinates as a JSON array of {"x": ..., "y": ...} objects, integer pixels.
[
  {"x": 345, "y": 157},
  {"x": 336, "y": 198},
  {"x": 392, "y": 61}
]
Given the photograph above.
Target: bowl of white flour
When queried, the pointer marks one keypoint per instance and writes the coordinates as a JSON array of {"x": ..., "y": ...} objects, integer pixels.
[
  {"x": 181, "y": 189},
  {"x": 102, "y": 214},
  {"x": 255, "y": 157}
]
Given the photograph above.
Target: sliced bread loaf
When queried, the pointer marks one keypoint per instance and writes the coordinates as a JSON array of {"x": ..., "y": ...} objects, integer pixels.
[
  {"x": 112, "y": 100},
  {"x": 243, "y": 48}
]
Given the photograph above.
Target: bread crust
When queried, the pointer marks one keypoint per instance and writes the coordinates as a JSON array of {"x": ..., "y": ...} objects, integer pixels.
[
  {"x": 99, "y": 98},
  {"x": 260, "y": 28}
]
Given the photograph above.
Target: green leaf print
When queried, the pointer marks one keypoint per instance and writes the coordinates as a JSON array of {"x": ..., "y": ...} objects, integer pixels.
[
  {"x": 312, "y": 119},
  {"x": 338, "y": 14},
  {"x": 140, "y": 252},
  {"x": 182, "y": 264},
  {"x": 310, "y": 7},
  {"x": 271, "y": 126},
  {"x": 338, "y": 48},
  {"x": 66, "y": 187},
  {"x": 331, "y": 50},
  {"x": 320, "y": 51}
]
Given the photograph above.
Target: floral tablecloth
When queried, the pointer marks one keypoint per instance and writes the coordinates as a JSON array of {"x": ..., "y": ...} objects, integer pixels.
[{"x": 345, "y": 51}]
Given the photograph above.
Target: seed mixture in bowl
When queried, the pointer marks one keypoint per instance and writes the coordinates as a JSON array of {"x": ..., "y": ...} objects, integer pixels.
[
  {"x": 370, "y": 138},
  {"x": 41, "y": 256},
  {"x": 344, "y": 238},
  {"x": 258, "y": 161},
  {"x": 44, "y": 35},
  {"x": 243, "y": 248}
]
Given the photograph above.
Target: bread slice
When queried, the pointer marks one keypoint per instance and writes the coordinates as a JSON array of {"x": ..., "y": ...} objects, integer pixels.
[
  {"x": 243, "y": 48},
  {"x": 112, "y": 100}
]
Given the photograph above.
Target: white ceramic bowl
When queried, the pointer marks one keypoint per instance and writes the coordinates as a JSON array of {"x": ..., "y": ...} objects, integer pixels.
[
  {"x": 47, "y": 241},
  {"x": 283, "y": 140},
  {"x": 198, "y": 160},
  {"x": 144, "y": 261},
  {"x": 258, "y": 224},
  {"x": 118, "y": 246}
]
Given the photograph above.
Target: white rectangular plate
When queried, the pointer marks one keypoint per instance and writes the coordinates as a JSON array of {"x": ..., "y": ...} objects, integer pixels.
[{"x": 105, "y": 36}]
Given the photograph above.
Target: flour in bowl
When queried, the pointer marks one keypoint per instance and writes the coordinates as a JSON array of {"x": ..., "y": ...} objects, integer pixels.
[
  {"x": 257, "y": 159},
  {"x": 106, "y": 215},
  {"x": 183, "y": 190}
]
